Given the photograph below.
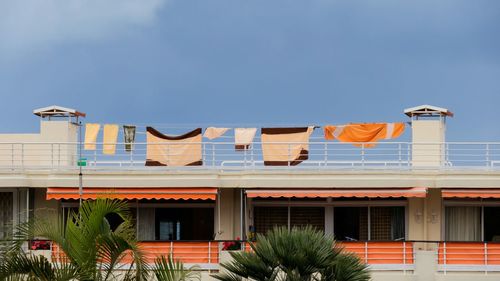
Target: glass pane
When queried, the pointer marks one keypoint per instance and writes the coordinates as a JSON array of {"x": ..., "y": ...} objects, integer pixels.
[
  {"x": 265, "y": 218},
  {"x": 302, "y": 216},
  {"x": 350, "y": 223},
  {"x": 184, "y": 223},
  {"x": 492, "y": 224},
  {"x": 463, "y": 223},
  {"x": 387, "y": 223},
  {"x": 6, "y": 215}
]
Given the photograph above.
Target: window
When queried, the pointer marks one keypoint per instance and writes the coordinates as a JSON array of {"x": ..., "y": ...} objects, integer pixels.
[
  {"x": 492, "y": 224},
  {"x": 6, "y": 213},
  {"x": 184, "y": 223},
  {"x": 350, "y": 223},
  {"x": 463, "y": 223},
  {"x": 265, "y": 218},
  {"x": 369, "y": 223}
]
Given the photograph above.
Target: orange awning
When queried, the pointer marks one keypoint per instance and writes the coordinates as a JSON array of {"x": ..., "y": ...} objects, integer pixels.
[
  {"x": 470, "y": 193},
  {"x": 133, "y": 193},
  {"x": 339, "y": 192}
]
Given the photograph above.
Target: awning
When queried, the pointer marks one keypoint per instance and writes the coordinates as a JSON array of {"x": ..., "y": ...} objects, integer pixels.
[
  {"x": 339, "y": 192},
  {"x": 133, "y": 193},
  {"x": 470, "y": 193}
]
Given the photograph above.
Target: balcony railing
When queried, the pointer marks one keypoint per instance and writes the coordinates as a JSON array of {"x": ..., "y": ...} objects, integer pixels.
[
  {"x": 383, "y": 255},
  {"x": 380, "y": 256},
  {"x": 203, "y": 254},
  {"x": 469, "y": 256},
  {"x": 223, "y": 156}
]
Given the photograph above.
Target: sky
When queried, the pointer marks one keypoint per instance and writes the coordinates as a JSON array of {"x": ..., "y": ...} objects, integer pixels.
[{"x": 258, "y": 62}]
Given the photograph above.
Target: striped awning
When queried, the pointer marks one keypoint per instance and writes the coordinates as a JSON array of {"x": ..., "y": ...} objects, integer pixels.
[
  {"x": 420, "y": 192},
  {"x": 133, "y": 193},
  {"x": 470, "y": 193}
]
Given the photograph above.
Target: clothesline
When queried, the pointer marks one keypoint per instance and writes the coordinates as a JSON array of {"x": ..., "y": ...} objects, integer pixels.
[{"x": 280, "y": 145}]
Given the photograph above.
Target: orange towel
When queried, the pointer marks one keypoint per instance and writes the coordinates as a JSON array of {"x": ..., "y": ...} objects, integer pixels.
[
  {"x": 91, "y": 132},
  {"x": 285, "y": 146},
  {"x": 183, "y": 150},
  {"x": 363, "y": 133},
  {"x": 213, "y": 133},
  {"x": 110, "y": 134}
]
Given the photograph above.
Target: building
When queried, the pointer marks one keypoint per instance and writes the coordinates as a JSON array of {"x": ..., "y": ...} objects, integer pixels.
[{"x": 421, "y": 210}]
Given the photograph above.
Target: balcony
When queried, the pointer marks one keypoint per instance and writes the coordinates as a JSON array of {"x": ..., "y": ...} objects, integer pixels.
[{"x": 221, "y": 155}]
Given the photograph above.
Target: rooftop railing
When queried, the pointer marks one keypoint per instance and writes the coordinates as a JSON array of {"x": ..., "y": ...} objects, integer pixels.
[{"x": 223, "y": 156}]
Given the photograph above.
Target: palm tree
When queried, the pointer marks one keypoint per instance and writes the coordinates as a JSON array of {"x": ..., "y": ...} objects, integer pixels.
[
  {"x": 302, "y": 254},
  {"x": 92, "y": 249},
  {"x": 170, "y": 270}
]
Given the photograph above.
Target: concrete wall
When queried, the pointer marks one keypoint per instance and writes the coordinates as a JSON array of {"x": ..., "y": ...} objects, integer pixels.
[
  {"x": 35, "y": 152},
  {"x": 230, "y": 218},
  {"x": 428, "y": 131}
]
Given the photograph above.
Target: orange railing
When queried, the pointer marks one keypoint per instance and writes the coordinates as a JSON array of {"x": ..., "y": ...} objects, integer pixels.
[
  {"x": 381, "y": 252},
  {"x": 204, "y": 253},
  {"x": 468, "y": 253},
  {"x": 378, "y": 253}
]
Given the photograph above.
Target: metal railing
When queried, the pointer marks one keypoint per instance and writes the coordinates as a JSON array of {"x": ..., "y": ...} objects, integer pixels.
[
  {"x": 469, "y": 256},
  {"x": 383, "y": 255},
  {"x": 378, "y": 255},
  {"x": 223, "y": 156}
]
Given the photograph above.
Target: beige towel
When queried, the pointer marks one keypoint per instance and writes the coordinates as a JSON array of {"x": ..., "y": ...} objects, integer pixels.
[
  {"x": 110, "y": 136},
  {"x": 285, "y": 146},
  {"x": 243, "y": 137},
  {"x": 213, "y": 132},
  {"x": 183, "y": 150},
  {"x": 91, "y": 132}
]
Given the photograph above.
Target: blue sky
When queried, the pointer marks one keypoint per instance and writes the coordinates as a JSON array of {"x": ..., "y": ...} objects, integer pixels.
[{"x": 252, "y": 62}]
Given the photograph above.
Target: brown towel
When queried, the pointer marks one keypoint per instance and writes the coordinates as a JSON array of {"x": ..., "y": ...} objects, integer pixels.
[
  {"x": 285, "y": 146},
  {"x": 183, "y": 150}
]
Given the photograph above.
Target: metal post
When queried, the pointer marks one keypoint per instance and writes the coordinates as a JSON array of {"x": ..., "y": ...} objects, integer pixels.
[
  {"x": 363, "y": 154},
  {"x": 289, "y": 154},
  {"x": 326, "y": 153},
  {"x": 213, "y": 154},
  {"x": 209, "y": 251},
  {"x": 488, "y": 155},
  {"x": 242, "y": 214},
  {"x": 444, "y": 257},
  {"x": 485, "y": 258},
  {"x": 80, "y": 175},
  {"x": 399, "y": 154},
  {"x": 366, "y": 252},
  {"x": 404, "y": 257}
]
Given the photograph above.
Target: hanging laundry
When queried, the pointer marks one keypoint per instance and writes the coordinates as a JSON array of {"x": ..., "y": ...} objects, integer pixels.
[
  {"x": 183, "y": 150},
  {"x": 129, "y": 137},
  {"x": 110, "y": 135},
  {"x": 364, "y": 133},
  {"x": 243, "y": 138},
  {"x": 285, "y": 146},
  {"x": 91, "y": 132},
  {"x": 213, "y": 133}
]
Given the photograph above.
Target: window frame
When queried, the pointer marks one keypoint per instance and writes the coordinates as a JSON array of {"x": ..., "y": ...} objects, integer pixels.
[
  {"x": 466, "y": 203},
  {"x": 329, "y": 204}
]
